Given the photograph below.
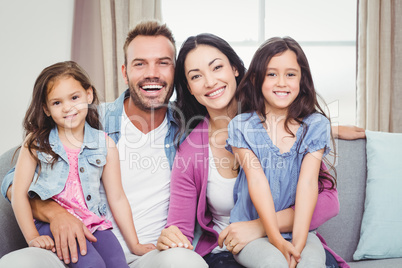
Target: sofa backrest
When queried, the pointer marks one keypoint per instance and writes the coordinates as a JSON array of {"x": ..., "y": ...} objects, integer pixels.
[
  {"x": 342, "y": 232},
  {"x": 10, "y": 235}
]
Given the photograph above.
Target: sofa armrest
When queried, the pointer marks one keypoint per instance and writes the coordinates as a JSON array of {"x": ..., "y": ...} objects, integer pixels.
[{"x": 10, "y": 235}]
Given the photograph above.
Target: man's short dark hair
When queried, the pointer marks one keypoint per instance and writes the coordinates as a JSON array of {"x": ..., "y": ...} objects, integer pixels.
[{"x": 148, "y": 28}]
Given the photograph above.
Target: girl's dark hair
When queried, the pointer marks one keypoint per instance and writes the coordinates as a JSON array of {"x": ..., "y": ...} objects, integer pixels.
[
  {"x": 188, "y": 111},
  {"x": 249, "y": 92},
  {"x": 37, "y": 125}
]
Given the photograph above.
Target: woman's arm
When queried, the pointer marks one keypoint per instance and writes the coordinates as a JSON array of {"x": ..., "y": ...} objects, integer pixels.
[
  {"x": 327, "y": 206},
  {"x": 306, "y": 197},
  {"x": 118, "y": 202},
  {"x": 180, "y": 225}
]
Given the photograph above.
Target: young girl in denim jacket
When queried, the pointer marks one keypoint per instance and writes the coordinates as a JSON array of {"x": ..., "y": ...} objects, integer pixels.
[
  {"x": 63, "y": 157},
  {"x": 279, "y": 141}
]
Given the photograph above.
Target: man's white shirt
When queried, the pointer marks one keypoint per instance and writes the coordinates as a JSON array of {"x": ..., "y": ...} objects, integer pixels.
[{"x": 145, "y": 176}]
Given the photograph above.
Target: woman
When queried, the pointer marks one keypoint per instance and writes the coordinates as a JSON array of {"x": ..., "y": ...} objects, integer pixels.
[{"x": 207, "y": 74}]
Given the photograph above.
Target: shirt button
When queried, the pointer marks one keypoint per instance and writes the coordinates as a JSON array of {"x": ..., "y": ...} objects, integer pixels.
[
  {"x": 98, "y": 161},
  {"x": 167, "y": 145},
  {"x": 89, "y": 197},
  {"x": 82, "y": 170}
]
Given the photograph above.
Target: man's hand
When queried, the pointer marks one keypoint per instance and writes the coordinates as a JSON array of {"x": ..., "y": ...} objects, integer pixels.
[
  {"x": 348, "y": 132},
  {"x": 172, "y": 237},
  {"x": 67, "y": 230}
]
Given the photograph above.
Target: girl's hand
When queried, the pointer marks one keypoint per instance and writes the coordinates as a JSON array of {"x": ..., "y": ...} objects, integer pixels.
[
  {"x": 141, "y": 249},
  {"x": 172, "y": 237},
  {"x": 293, "y": 262},
  {"x": 288, "y": 250},
  {"x": 43, "y": 241}
]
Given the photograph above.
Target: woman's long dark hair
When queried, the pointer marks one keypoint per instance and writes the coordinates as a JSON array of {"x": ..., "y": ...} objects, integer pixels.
[
  {"x": 37, "y": 125},
  {"x": 249, "y": 92},
  {"x": 188, "y": 111}
]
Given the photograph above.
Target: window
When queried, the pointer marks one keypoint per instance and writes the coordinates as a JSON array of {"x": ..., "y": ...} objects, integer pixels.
[{"x": 325, "y": 29}]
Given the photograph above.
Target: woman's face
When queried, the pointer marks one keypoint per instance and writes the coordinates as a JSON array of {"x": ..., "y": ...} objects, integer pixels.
[{"x": 210, "y": 76}]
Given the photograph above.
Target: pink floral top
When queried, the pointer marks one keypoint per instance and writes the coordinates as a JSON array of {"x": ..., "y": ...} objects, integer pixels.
[{"x": 72, "y": 197}]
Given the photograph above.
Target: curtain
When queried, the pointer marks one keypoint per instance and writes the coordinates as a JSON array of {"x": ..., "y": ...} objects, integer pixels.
[
  {"x": 379, "y": 50},
  {"x": 117, "y": 18},
  {"x": 86, "y": 47}
]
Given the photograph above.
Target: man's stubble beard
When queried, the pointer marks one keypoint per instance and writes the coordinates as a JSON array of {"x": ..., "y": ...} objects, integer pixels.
[{"x": 142, "y": 105}]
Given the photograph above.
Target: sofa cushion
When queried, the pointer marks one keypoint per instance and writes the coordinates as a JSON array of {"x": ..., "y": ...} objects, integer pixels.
[
  {"x": 10, "y": 235},
  {"x": 381, "y": 232},
  {"x": 342, "y": 232},
  {"x": 383, "y": 263}
]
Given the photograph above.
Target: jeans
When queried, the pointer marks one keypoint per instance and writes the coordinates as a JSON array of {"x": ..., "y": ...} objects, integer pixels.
[
  {"x": 225, "y": 259},
  {"x": 221, "y": 259},
  {"x": 330, "y": 261}
]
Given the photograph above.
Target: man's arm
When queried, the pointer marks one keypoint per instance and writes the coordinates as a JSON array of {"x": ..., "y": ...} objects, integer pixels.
[{"x": 67, "y": 230}]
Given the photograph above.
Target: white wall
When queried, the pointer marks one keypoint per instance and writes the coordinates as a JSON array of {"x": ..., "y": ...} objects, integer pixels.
[{"x": 34, "y": 35}]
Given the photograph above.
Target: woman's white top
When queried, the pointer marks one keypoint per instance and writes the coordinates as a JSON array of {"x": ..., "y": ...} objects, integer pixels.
[{"x": 219, "y": 198}]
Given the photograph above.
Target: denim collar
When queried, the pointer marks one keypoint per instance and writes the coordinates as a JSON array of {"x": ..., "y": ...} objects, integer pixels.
[
  {"x": 91, "y": 139},
  {"x": 116, "y": 108}
]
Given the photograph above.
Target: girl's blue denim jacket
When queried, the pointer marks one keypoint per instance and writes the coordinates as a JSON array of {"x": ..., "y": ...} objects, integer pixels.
[
  {"x": 91, "y": 159},
  {"x": 110, "y": 115}
]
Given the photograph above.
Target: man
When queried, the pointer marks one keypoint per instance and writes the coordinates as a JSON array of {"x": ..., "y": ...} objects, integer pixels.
[{"x": 140, "y": 122}]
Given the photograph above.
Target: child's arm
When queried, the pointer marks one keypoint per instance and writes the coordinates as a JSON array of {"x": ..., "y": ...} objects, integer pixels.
[
  {"x": 306, "y": 197},
  {"x": 261, "y": 196},
  {"x": 24, "y": 172},
  {"x": 118, "y": 202}
]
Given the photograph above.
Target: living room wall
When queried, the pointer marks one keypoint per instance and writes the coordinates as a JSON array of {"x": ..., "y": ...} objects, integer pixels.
[{"x": 34, "y": 34}]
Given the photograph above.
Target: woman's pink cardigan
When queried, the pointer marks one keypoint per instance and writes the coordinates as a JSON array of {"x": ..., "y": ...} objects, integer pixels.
[{"x": 188, "y": 187}]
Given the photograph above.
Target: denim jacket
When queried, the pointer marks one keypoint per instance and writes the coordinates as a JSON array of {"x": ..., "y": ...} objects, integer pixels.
[
  {"x": 111, "y": 116},
  {"x": 51, "y": 180}
]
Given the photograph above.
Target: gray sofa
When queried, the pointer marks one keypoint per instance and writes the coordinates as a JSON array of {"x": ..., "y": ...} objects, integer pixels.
[{"x": 341, "y": 233}]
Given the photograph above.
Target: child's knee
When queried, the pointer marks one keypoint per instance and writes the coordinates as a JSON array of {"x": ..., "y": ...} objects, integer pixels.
[
  {"x": 180, "y": 257},
  {"x": 90, "y": 260}
]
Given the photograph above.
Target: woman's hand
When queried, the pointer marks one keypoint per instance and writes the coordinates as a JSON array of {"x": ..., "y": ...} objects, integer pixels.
[
  {"x": 172, "y": 237},
  {"x": 237, "y": 235},
  {"x": 141, "y": 249}
]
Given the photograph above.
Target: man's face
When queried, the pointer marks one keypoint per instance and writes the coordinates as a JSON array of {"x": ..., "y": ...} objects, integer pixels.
[{"x": 150, "y": 71}]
